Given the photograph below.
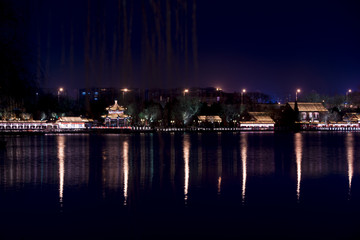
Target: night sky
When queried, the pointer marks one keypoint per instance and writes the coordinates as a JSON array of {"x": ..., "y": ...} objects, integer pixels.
[{"x": 269, "y": 46}]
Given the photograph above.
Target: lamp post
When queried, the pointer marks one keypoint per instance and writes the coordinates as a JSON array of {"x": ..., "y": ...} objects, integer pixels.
[
  {"x": 242, "y": 96},
  {"x": 60, "y": 90},
  {"x": 296, "y": 94},
  {"x": 347, "y": 97},
  {"x": 124, "y": 91},
  {"x": 185, "y": 92}
]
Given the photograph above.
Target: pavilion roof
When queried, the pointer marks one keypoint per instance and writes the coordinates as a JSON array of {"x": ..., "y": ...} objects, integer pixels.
[
  {"x": 115, "y": 116},
  {"x": 352, "y": 116},
  {"x": 261, "y": 117},
  {"x": 204, "y": 118},
  {"x": 72, "y": 119},
  {"x": 115, "y": 107},
  {"x": 308, "y": 107}
]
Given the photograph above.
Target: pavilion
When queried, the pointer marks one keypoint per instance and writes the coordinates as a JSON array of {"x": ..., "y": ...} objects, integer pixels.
[{"x": 115, "y": 116}]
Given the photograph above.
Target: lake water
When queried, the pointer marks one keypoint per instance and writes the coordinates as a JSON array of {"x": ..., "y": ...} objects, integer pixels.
[{"x": 179, "y": 185}]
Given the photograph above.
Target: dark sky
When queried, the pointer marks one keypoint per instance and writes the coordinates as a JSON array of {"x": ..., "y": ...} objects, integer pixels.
[{"x": 269, "y": 46}]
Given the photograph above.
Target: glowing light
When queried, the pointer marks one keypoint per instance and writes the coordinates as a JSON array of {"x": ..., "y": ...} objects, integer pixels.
[
  {"x": 61, "y": 157},
  {"x": 298, "y": 153},
  {"x": 244, "y": 90},
  {"x": 219, "y": 163},
  {"x": 126, "y": 90},
  {"x": 219, "y": 185},
  {"x": 126, "y": 170},
  {"x": 350, "y": 158},
  {"x": 296, "y": 94},
  {"x": 244, "y": 165},
  {"x": 186, "y": 166},
  {"x": 349, "y": 91}
]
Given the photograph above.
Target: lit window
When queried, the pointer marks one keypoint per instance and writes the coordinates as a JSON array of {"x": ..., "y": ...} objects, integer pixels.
[
  {"x": 96, "y": 93},
  {"x": 83, "y": 93},
  {"x": 303, "y": 117},
  {"x": 96, "y": 99}
]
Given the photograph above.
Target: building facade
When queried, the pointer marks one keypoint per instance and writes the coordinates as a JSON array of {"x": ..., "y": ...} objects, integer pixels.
[{"x": 309, "y": 112}]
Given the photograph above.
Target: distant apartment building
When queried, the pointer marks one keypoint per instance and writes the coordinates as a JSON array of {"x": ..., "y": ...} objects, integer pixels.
[{"x": 96, "y": 94}]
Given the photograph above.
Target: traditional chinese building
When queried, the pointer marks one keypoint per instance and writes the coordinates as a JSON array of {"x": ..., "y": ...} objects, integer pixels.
[
  {"x": 309, "y": 112},
  {"x": 352, "y": 117},
  {"x": 209, "y": 120},
  {"x": 115, "y": 116},
  {"x": 71, "y": 123},
  {"x": 257, "y": 121}
]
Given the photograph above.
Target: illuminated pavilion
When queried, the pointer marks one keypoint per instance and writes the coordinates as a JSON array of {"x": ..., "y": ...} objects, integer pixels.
[{"x": 115, "y": 116}]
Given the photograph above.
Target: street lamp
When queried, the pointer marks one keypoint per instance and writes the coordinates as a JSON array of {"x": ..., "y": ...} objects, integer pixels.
[
  {"x": 296, "y": 94},
  {"x": 186, "y": 91},
  {"x": 242, "y": 95},
  {"x": 60, "y": 90},
  {"x": 124, "y": 91},
  {"x": 347, "y": 97}
]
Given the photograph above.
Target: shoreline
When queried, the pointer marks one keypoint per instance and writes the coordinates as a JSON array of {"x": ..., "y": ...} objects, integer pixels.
[{"x": 127, "y": 130}]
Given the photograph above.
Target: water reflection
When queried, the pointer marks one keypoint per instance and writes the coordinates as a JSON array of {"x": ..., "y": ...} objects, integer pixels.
[
  {"x": 244, "y": 147},
  {"x": 142, "y": 160},
  {"x": 200, "y": 157},
  {"x": 186, "y": 151},
  {"x": 298, "y": 153},
  {"x": 61, "y": 157},
  {"x": 126, "y": 169},
  {"x": 219, "y": 185},
  {"x": 172, "y": 160},
  {"x": 350, "y": 158},
  {"x": 219, "y": 163}
]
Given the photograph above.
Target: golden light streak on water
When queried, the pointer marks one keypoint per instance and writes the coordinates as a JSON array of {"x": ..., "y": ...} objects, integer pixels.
[
  {"x": 186, "y": 152},
  {"x": 61, "y": 157},
  {"x": 298, "y": 153},
  {"x": 244, "y": 165},
  {"x": 219, "y": 163},
  {"x": 350, "y": 158},
  {"x": 126, "y": 170},
  {"x": 219, "y": 185}
]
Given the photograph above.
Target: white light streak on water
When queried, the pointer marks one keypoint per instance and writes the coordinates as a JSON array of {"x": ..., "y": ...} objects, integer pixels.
[
  {"x": 61, "y": 157},
  {"x": 298, "y": 153},
  {"x": 186, "y": 152}
]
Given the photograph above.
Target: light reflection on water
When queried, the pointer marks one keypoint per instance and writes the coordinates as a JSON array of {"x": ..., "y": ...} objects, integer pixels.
[
  {"x": 219, "y": 163},
  {"x": 126, "y": 169},
  {"x": 61, "y": 157},
  {"x": 127, "y": 164},
  {"x": 186, "y": 166},
  {"x": 183, "y": 181},
  {"x": 298, "y": 152},
  {"x": 244, "y": 147},
  {"x": 350, "y": 158}
]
